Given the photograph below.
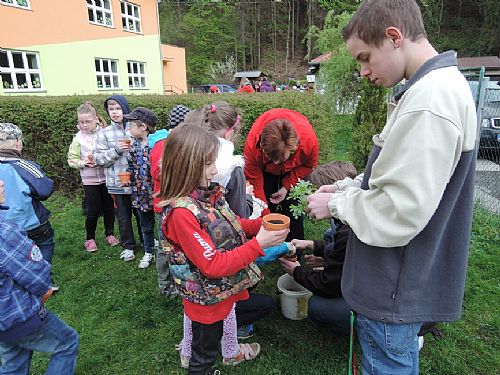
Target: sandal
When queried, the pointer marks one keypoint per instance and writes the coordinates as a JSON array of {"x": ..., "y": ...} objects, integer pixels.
[{"x": 247, "y": 353}]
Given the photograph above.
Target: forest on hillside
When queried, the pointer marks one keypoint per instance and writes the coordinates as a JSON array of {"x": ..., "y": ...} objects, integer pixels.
[{"x": 224, "y": 36}]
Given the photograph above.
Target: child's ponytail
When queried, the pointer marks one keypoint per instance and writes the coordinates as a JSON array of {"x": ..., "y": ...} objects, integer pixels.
[
  {"x": 221, "y": 116},
  {"x": 88, "y": 108}
]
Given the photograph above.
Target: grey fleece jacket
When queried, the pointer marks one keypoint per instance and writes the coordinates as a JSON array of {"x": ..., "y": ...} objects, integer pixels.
[{"x": 411, "y": 217}]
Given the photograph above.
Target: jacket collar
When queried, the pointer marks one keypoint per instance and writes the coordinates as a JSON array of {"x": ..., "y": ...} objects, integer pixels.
[{"x": 443, "y": 60}]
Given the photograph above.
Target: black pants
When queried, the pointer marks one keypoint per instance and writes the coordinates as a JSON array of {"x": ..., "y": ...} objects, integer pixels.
[
  {"x": 123, "y": 211},
  {"x": 272, "y": 183},
  {"x": 98, "y": 201},
  {"x": 253, "y": 309},
  {"x": 204, "y": 347}
]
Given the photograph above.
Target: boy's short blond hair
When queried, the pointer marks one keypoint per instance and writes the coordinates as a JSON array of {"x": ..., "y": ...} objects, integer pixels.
[{"x": 373, "y": 17}]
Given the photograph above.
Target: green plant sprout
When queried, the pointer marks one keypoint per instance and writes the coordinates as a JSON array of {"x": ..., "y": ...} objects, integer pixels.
[{"x": 299, "y": 192}]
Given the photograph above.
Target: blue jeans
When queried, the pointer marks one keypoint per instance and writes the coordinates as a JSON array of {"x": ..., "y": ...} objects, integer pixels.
[
  {"x": 54, "y": 336},
  {"x": 388, "y": 348},
  {"x": 162, "y": 267},
  {"x": 43, "y": 236},
  {"x": 147, "y": 220},
  {"x": 329, "y": 313}
]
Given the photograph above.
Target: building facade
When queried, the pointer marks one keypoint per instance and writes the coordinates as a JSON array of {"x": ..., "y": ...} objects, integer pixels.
[{"x": 81, "y": 47}]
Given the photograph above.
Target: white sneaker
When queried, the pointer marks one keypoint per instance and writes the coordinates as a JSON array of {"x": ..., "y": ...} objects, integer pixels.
[
  {"x": 127, "y": 255},
  {"x": 146, "y": 260},
  {"x": 420, "y": 342}
]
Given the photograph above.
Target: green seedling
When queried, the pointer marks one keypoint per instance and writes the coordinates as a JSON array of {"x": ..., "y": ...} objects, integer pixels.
[{"x": 299, "y": 192}]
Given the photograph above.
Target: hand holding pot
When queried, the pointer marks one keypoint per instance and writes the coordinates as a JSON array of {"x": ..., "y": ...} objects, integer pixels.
[
  {"x": 271, "y": 238},
  {"x": 124, "y": 144}
]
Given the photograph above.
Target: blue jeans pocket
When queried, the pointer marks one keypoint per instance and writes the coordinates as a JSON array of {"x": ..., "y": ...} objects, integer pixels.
[{"x": 399, "y": 339}]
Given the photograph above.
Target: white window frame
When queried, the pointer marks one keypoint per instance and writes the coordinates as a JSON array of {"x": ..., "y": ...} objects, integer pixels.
[
  {"x": 139, "y": 77},
  {"x": 102, "y": 75},
  {"x": 15, "y": 4},
  {"x": 26, "y": 70},
  {"x": 106, "y": 12},
  {"x": 131, "y": 20}
]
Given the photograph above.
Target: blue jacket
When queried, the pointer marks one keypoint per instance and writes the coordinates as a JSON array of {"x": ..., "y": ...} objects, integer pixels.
[
  {"x": 25, "y": 186},
  {"x": 24, "y": 276}
]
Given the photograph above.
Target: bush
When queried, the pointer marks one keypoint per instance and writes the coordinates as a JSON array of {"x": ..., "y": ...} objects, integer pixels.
[
  {"x": 369, "y": 119},
  {"x": 49, "y": 123}
]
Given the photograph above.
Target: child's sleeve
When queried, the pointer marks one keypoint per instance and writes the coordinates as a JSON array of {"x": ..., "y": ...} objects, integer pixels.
[
  {"x": 23, "y": 260},
  {"x": 74, "y": 155},
  {"x": 130, "y": 161},
  {"x": 104, "y": 154},
  {"x": 251, "y": 226},
  {"x": 181, "y": 227}
]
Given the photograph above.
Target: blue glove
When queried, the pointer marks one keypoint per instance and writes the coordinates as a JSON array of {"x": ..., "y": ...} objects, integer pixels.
[{"x": 274, "y": 252}]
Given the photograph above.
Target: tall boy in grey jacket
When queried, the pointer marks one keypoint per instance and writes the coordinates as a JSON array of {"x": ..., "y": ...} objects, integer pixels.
[
  {"x": 411, "y": 214},
  {"x": 112, "y": 147}
]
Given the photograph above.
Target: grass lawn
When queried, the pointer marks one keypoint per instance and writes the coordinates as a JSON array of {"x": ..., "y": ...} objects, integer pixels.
[{"x": 127, "y": 327}]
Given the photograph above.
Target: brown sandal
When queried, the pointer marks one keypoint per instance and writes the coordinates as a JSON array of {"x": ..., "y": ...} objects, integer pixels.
[{"x": 247, "y": 353}]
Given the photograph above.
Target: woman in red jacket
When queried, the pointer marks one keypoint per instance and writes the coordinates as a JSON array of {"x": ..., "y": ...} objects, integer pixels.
[{"x": 281, "y": 148}]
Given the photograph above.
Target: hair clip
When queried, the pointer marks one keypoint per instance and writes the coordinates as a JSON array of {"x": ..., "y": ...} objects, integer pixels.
[
  {"x": 213, "y": 108},
  {"x": 236, "y": 123}
]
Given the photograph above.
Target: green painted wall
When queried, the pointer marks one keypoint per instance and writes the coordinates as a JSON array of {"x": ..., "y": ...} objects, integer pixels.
[{"x": 69, "y": 68}]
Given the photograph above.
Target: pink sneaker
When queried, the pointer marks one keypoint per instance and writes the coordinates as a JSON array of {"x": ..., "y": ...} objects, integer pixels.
[
  {"x": 90, "y": 246},
  {"x": 112, "y": 240}
]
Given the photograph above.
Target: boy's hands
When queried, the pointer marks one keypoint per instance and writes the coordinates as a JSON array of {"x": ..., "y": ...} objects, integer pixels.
[
  {"x": 303, "y": 244},
  {"x": 314, "y": 261},
  {"x": 317, "y": 205},
  {"x": 328, "y": 189},
  {"x": 271, "y": 238},
  {"x": 288, "y": 266}
]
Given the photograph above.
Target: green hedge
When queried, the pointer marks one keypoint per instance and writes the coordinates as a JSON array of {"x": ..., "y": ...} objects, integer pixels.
[{"x": 49, "y": 123}]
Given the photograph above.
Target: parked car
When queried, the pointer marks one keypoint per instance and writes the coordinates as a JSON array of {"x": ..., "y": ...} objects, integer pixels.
[
  {"x": 489, "y": 138},
  {"x": 489, "y": 141},
  {"x": 223, "y": 88}
]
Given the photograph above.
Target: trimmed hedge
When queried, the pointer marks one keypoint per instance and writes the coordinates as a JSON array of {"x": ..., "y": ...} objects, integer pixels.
[{"x": 49, "y": 123}]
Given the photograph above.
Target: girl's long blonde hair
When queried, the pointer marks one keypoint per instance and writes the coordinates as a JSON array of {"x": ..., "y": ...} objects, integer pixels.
[
  {"x": 88, "y": 108},
  {"x": 186, "y": 151}
]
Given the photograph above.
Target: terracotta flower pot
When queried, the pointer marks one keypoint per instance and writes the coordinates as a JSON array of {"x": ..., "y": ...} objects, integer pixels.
[
  {"x": 126, "y": 141},
  {"x": 124, "y": 177},
  {"x": 274, "y": 222}
]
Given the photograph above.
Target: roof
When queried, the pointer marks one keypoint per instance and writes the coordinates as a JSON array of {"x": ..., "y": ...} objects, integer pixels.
[
  {"x": 486, "y": 61},
  {"x": 249, "y": 74},
  {"x": 322, "y": 58}
]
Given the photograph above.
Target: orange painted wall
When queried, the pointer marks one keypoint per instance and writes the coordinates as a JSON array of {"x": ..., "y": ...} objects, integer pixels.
[
  {"x": 66, "y": 21},
  {"x": 174, "y": 67}
]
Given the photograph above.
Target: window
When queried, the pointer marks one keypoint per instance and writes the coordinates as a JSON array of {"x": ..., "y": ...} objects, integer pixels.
[
  {"x": 17, "y": 3},
  {"x": 20, "y": 71},
  {"x": 131, "y": 17},
  {"x": 106, "y": 71},
  {"x": 136, "y": 75},
  {"x": 100, "y": 12}
]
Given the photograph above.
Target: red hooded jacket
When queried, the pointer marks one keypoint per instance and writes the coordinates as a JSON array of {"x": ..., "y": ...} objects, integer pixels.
[{"x": 298, "y": 166}]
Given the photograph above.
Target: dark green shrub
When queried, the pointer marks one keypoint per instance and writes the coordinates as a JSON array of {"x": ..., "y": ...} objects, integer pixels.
[
  {"x": 49, "y": 123},
  {"x": 369, "y": 119}
]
